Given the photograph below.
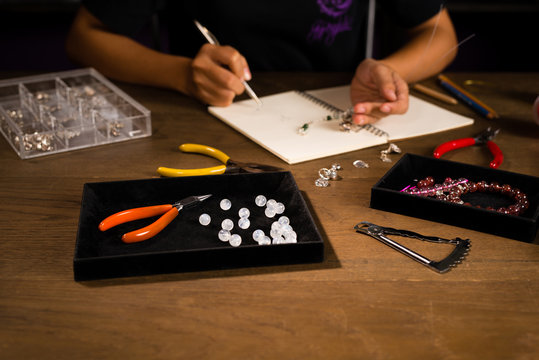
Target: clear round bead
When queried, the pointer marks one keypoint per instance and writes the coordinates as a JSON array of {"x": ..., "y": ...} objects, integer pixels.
[
  {"x": 270, "y": 212},
  {"x": 279, "y": 208},
  {"x": 278, "y": 240},
  {"x": 235, "y": 240},
  {"x": 260, "y": 200},
  {"x": 204, "y": 219},
  {"x": 244, "y": 223},
  {"x": 276, "y": 226},
  {"x": 258, "y": 235},
  {"x": 225, "y": 204},
  {"x": 227, "y": 224},
  {"x": 265, "y": 241},
  {"x": 284, "y": 220},
  {"x": 244, "y": 212},
  {"x": 271, "y": 203},
  {"x": 275, "y": 233},
  {"x": 224, "y": 235}
]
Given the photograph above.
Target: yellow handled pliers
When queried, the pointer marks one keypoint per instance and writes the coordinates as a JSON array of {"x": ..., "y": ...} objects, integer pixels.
[{"x": 229, "y": 166}]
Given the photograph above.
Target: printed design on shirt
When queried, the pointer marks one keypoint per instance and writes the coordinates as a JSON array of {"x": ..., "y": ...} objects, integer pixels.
[{"x": 335, "y": 21}]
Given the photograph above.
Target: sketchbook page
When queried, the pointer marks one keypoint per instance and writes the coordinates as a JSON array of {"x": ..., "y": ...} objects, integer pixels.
[
  {"x": 275, "y": 126},
  {"x": 422, "y": 117}
]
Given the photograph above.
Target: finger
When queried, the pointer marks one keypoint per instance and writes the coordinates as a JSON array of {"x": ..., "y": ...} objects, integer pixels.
[
  {"x": 363, "y": 119},
  {"x": 209, "y": 73},
  {"x": 400, "y": 105},
  {"x": 385, "y": 82},
  {"x": 231, "y": 58}
]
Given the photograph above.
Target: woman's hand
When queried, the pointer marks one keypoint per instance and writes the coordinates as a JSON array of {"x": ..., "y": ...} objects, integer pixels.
[
  {"x": 217, "y": 73},
  {"x": 377, "y": 91}
]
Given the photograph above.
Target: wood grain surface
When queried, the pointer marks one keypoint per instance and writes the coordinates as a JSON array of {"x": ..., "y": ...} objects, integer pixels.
[{"x": 365, "y": 301}]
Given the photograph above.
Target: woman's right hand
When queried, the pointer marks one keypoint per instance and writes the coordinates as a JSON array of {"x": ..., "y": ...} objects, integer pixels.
[{"x": 217, "y": 73}]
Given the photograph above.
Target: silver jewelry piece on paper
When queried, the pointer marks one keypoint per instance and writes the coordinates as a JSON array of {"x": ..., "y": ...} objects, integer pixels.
[{"x": 360, "y": 164}]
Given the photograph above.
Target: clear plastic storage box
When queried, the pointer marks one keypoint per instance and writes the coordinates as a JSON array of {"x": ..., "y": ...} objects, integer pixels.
[{"x": 58, "y": 112}]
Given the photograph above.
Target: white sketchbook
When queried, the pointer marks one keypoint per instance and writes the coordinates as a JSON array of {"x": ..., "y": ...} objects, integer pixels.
[{"x": 275, "y": 125}]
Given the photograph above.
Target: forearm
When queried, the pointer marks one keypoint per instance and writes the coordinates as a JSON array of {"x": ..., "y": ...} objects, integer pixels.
[
  {"x": 123, "y": 59},
  {"x": 422, "y": 56}
]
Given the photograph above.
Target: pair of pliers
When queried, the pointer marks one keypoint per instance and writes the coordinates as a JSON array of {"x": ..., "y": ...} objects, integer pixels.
[
  {"x": 482, "y": 138},
  {"x": 170, "y": 212},
  {"x": 229, "y": 166}
]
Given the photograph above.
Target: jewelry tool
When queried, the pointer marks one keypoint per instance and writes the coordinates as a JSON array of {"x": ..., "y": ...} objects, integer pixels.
[
  {"x": 380, "y": 233},
  {"x": 482, "y": 138},
  {"x": 229, "y": 166},
  {"x": 170, "y": 212},
  {"x": 213, "y": 40},
  {"x": 468, "y": 98}
]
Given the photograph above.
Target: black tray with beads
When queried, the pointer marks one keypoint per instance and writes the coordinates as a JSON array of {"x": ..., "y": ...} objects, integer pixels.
[
  {"x": 185, "y": 244},
  {"x": 386, "y": 195}
]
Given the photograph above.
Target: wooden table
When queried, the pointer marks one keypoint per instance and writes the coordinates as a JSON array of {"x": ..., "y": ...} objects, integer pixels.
[{"x": 364, "y": 301}]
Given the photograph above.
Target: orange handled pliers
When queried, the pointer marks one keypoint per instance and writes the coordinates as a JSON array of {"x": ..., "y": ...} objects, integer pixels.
[
  {"x": 170, "y": 212},
  {"x": 228, "y": 165}
]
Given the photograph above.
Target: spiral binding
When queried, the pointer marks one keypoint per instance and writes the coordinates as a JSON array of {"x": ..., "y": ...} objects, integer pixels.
[
  {"x": 320, "y": 102},
  {"x": 369, "y": 127}
]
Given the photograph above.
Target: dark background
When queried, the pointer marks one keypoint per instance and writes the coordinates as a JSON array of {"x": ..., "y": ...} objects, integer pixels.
[{"x": 32, "y": 35}]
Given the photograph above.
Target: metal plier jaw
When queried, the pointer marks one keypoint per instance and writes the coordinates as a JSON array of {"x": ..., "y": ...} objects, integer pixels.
[
  {"x": 461, "y": 249},
  {"x": 485, "y": 136}
]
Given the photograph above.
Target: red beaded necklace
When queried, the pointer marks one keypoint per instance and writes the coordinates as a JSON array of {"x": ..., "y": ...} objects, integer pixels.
[{"x": 452, "y": 190}]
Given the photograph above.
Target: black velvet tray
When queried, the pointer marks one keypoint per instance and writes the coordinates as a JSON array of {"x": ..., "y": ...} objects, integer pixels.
[
  {"x": 186, "y": 245},
  {"x": 386, "y": 195}
]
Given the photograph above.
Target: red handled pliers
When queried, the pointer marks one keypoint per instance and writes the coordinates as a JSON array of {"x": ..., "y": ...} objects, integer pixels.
[
  {"x": 170, "y": 212},
  {"x": 482, "y": 138}
]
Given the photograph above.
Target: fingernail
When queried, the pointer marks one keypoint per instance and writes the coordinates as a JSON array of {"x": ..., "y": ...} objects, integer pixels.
[
  {"x": 385, "y": 108},
  {"x": 247, "y": 74},
  {"x": 360, "y": 110},
  {"x": 392, "y": 95},
  {"x": 358, "y": 120}
]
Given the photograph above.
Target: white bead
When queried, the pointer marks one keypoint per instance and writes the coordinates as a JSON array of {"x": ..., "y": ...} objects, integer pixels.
[
  {"x": 291, "y": 237},
  {"x": 275, "y": 233},
  {"x": 204, "y": 219},
  {"x": 276, "y": 226},
  {"x": 235, "y": 240},
  {"x": 244, "y": 212},
  {"x": 264, "y": 241},
  {"x": 260, "y": 200},
  {"x": 258, "y": 234},
  {"x": 244, "y": 223},
  {"x": 278, "y": 240},
  {"x": 224, "y": 235},
  {"x": 227, "y": 224},
  {"x": 270, "y": 212},
  {"x": 271, "y": 203},
  {"x": 279, "y": 208},
  {"x": 225, "y": 204},
  {"x": 284, "y": 220}
]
